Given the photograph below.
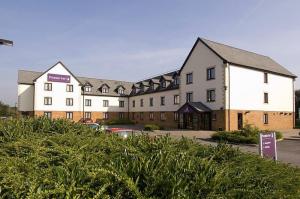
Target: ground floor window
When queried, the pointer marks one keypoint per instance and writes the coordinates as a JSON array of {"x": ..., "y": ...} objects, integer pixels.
[
  {"x": 48, "y": 115},
  {"x": 176, "y": 116},
  {"x": 151, "y": 116},
  {"x": 133, "y": 116},
  {"x": 214, "y": 117},
  {"x": 88, "y": 115},
  {"x": 106, "y": 116},
  {"x": 163, "y": 116},
  {"x": 266, "y": 118},
  {"x": 69, "y": 115},
  {"x": 121, "y": 115},
  {"x": 141, "y": 116}
]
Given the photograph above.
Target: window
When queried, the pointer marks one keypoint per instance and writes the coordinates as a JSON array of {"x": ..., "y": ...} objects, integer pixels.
[
  {"x": 121, "y": 115},
  {"x": 176, "y": 99},
  {"x": 133, "y": 116},
  {"x": 210, "y": 73},
  {"x": 189, "y": 97},
  {"x": 69, "y": 101},
  {"x": 214, "y": 117},
  {"x": 211, "y": 95},
  {"x": 141, "y": 102},
  {"x": 176, "y": 81},
  {"x": 121, "y": 104},
  {"x": 163, "y": 84},
  {"x": 88, "y": 89},
  {"x": 133, "y": 103},
  {"x": 189, "y": 78},
  {"x": 141, "y": 116},
  {"x": 151, "y": 101},
  {"x": 105, "y": 103},
  {"x": 104, "y": 89},
  {"x": 69, "y": 88},
  {"x": 88, "y": 102},
  {"x": 151, "y": 116},
  {"x": 162, "y": 101},
  {"x": 121, "y": 91},
  {"x": 176, "y": 116},
  {"x": 152, "y": 86},
  {"x": 266, "y": 118},
  {"x": 48, "y": 115},
  {"x": 69, "y": 115},
  {"x": 163, "y": 116},
  {"x": 87, "y": 115},
  {"x": 266, "y": 98},
  {"x": 47, "y": 100},
  {"x": 48, "y": 86},
  {"x": 266, "y": 78},
  {"x": 106, "y": 116}
]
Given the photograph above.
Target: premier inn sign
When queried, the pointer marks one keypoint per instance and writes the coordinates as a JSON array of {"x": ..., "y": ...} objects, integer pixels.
[{"x": 59, "y": 78}]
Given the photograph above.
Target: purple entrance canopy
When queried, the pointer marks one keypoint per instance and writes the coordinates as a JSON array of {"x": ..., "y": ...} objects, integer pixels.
[{"x": 194, "y": 107}]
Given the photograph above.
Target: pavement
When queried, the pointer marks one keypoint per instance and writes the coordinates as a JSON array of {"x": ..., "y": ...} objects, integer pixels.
[{"x": 288, "y": 149}]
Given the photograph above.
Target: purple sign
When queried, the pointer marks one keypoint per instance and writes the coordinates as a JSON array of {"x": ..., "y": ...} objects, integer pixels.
[
  {"x": 59, "y": 78},
  {"x": 268, "y": 145},
  {"x": 187, "y": 109}
]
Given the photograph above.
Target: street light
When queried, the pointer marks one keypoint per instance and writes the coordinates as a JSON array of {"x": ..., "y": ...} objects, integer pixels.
[{"x": 6, "y": 42}]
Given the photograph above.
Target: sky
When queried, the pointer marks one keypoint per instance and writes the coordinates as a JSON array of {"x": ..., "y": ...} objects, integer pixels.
[{"x": 135, "y": 39}]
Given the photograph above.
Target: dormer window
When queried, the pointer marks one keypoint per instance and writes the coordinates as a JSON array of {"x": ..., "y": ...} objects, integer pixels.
[
  {"x": 104, "y": 89},
  {"x": 151, "y": 86},
  {"x": 176, "y": 80},
  {"x": 163, "y": 84},
  {"x": 88, "y": 89},
  {"x": 121, "y": 91}
]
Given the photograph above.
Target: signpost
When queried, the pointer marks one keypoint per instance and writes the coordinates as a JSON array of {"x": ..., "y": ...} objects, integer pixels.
[
  {"x": 59, "y": 78},
  {"x": 267, "y": 145}
]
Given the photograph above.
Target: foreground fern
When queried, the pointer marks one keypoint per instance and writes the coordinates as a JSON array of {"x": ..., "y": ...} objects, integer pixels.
[{"x": 40, "y": 158}]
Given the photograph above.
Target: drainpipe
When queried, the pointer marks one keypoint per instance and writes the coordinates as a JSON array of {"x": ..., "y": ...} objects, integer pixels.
[
  {"x": 82, "y": 88},
  {"x": 228, "y": 66},
  {"x": 294, "y": 111}
]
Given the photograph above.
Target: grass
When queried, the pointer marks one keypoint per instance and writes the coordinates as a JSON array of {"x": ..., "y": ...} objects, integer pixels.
[
  {"x": 248, "y": 135},
  {"x": 40, "y": 158}
]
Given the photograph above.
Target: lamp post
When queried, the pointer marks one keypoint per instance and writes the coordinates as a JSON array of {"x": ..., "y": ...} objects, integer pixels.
[{"x": 6, "y": 42}]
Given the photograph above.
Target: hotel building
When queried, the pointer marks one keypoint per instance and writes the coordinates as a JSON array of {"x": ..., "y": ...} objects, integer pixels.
[{"x": 218, "y": 87}]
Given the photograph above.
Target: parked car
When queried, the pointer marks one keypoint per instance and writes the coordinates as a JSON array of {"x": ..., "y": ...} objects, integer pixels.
[
  {"x": 93, "y": 126},
  {"x": 86, "y": 120},
  {"x": 124, "y": 133}
]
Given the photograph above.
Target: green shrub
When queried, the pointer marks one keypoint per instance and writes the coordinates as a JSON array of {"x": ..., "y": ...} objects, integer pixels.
[
  {"x": 40, "y": 158},
  {"x": 120, "y": 122},
  {"x": 248, "y": 135},
  {"x": 151, "y": 127}
]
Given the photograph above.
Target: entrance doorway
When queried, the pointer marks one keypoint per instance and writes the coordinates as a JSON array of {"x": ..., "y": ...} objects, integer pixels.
[{"x": 240, "y": 121}]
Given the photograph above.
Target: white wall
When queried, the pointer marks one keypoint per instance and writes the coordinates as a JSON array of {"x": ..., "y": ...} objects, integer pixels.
[
  {"x": 169, "y": 102},
  {"x": 25, "y": 97},
  {"x": 58, "y": 92},
  {"x": 247, "y": 90},
  {"x": 201, "y": 59},
  {"x": 97, "y": 104}
]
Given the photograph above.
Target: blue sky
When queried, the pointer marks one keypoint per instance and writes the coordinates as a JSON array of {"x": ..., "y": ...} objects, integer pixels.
[{"x": 130, "y": 40}]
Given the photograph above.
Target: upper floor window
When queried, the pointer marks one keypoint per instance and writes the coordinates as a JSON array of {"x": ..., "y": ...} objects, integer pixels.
[
  {"x": 133, "y": 103},
  {"x": 266, "y": 80},
  {"x": 88, "y": 89},
  {"x": 189, "y": 78},
  {"x": 104, "y": 89},
  {"x": 266, "y": 98},
  {"x": 141, "y": 102},
  {"x": 189, "y": 97},
  {"x": 105, "y": 103},
  {"x": 210, "y": 73},
  {"x": 163, "y": 84},
  {"x": 176, "y": 80},
  {"x": 48, "y": 86},
  {"x": 211, "y": 95},
  {"x": 88, "y": 102},
  {"x": 69, "y": 88},
  {"x": 176, "y": 99},
  {"x": 121, "y": 103},
  {"x": 69, "y": 101},
  {"x": 151, "y": 101},
  {"x": 47, "y": 100},
  {"x": 162, "y": 101}
]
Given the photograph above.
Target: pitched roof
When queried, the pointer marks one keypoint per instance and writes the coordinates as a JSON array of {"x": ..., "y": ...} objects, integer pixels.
[
  {"x": 242, "y": 57},
  {"x": 28, "y": 77},
  {"x": 195, "y": 106}
]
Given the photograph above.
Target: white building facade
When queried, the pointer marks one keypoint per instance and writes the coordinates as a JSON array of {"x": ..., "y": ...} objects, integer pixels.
[{"x": 218, "y": 87}]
